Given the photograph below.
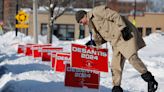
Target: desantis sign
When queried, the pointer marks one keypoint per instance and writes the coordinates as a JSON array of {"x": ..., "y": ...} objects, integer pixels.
[
  {"x": 61, "y": 60},
  {"x": 89, "y": 58},
  {"x": 37, "y": 50},
  {"x": 21, "y": 49},
  {"x": 46, "y": 52},
  {"x": 81, "y": 78},
  {"x": 28, "y": 49}
]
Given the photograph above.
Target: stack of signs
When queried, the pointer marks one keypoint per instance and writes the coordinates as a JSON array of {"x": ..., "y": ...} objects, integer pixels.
[
  {"x": 81, "y": 78},
  {"x": 21, "y": 49},
  {"x": 28, "y": 49},
  {"x": 89, "y": 58},
  {"x": 46, "y": 52},
  {"x": 37, "y": 50},
  {"x": 86, "y": 63},
  {"x": 61, "y": 60}
]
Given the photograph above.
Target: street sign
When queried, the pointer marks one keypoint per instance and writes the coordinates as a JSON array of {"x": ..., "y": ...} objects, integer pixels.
[
  {"x": 89, "y": 58},
  {"x": 21, "y": 25},
  {"x": 22, "y": 17}
]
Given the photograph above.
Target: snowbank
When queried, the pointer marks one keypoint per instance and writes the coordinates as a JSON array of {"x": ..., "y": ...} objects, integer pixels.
[{"x": 24, "y": 74}]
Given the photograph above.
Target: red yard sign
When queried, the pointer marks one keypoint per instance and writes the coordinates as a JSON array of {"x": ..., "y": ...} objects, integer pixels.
[
  {"x": 81, "y": 78},
  {"x": 61, "y": 60},
  {"x": 21, "y": 49},
  {"x": 28, "y": 49},
  {"x": 46, "y": 52},
  {"x": 53, "y": 59},
  {"x": 37, "y": 50},
  {"x": 89, "y": 58}
]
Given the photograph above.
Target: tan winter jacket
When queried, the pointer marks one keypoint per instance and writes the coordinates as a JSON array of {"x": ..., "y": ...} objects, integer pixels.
[{"x": 109, "y": 25}]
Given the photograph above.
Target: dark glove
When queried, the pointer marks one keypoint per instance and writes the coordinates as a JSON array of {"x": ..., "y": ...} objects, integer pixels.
[
  {"x": 91, "y": 43},
  {"x": 126, "y": 34}
]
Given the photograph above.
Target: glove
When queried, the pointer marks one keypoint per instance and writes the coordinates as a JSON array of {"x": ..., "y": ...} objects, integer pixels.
[
  {"x": 126, "y": 34},
  {"x": 90, "y": 43}
]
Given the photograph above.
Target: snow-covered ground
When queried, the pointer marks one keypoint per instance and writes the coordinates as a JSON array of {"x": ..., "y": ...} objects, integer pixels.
[{"x": 19, "y": 73}]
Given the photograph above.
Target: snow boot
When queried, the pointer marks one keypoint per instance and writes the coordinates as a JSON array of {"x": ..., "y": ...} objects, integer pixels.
[
  {"x": 152, "y": 83},
  {"x": 117, "y": 89}
]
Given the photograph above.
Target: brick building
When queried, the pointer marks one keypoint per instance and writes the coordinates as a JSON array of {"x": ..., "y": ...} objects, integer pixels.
[
  {"x": 66, "y": 27},
  {"x": 1, "y": 9},
  {"x": 9, "y": 12},
  {"x": 127, "y": 6}
]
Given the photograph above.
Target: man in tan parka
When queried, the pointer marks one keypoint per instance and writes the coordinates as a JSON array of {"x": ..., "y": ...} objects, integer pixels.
[{"x": 125, "y": 39}]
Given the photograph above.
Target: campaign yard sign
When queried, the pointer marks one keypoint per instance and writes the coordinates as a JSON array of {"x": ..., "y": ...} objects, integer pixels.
[
  {"x": 53, "y": 59},
  {"x": 37, "y": 50},
  {"x": 21, "y": 49},
  {"x": 81, "y": 78},
  {"x": 46, "y": 52},
  {"x": 28, "y": 49},
  {"x": 89, "y": 58},
  {"x": 61, "y": 60}
]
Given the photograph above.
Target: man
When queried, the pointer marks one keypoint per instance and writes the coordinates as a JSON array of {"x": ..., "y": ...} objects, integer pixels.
[{"x": 109, "y": 26}]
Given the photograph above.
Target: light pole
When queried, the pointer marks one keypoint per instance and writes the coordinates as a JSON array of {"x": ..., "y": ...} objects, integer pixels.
[
  {"x": 17, "y": 8},
  {"x": 35, "y": 21},
  {"x": 93, "y": 3},
  {"x": 134, "y": 14}
]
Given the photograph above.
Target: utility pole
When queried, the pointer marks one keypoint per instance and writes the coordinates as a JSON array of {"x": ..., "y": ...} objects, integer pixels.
[
  {"x": 106, "y": 2},
  {"x": 17, "y": 8},
  {"x": 93, "y": 3},
  {"x": 134, "y": 14},
  {"x": 35, "y": 21}
]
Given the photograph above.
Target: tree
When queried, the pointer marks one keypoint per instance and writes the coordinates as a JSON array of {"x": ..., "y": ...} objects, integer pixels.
[{"x": 56, "y": 8}]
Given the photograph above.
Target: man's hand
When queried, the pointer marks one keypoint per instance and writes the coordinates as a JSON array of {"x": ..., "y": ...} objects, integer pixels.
[
  {"x": 91, "y": 43},
  {"x": 126, "y": 34}
]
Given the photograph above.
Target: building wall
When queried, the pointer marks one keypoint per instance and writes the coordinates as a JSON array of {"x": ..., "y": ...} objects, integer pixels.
[
  {"x": 126, "y": 7},
  {"x": 149, "y": 20},
  {"x": 64, "y": 19},
  {"x": 1, "y": 10},
  {"x": 42, "y": 18},
  {"x": 9, "y": 12}
]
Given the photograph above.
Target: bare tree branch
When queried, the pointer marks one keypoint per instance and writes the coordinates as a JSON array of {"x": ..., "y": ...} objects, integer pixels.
[
  {"x": 59, "y": 14},
  {"x": 55, "y": 3},
  {"x": 54, "y": 15}
]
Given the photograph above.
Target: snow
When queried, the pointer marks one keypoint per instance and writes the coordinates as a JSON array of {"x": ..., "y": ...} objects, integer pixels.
[{"x": 19, "y": 73}]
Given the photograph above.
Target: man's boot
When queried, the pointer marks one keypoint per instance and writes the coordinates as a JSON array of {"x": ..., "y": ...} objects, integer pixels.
[
  {"x": 117, "y": 89},
  {"x": 152, "y": 84}
]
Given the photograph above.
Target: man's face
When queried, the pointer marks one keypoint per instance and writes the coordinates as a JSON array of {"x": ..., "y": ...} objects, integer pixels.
[{"x": 84, "y": 20}]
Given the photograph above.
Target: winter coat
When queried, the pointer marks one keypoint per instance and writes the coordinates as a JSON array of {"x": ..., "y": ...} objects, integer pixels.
[{"x": 109, "y": 25}]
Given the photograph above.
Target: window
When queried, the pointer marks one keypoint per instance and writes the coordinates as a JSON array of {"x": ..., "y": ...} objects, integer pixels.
[
  {"x": 64, "y": 31},
  {"x": 44, "y": 29},
  {"x": 158, "y": 29},
  {"x": 148, "y": 30},
  {"x": 140, "y": 29}
]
